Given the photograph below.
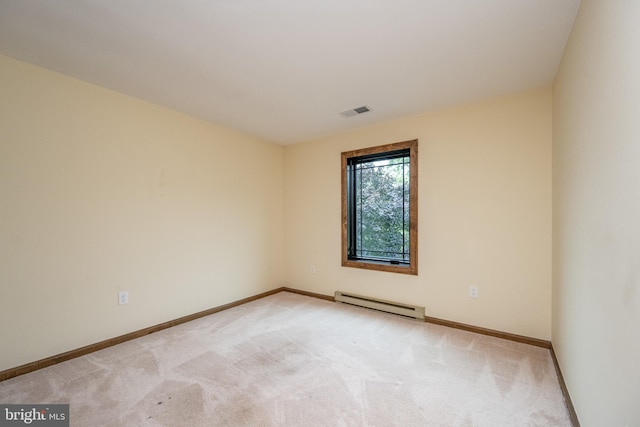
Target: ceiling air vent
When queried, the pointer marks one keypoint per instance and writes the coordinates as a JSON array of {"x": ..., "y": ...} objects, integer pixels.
[{"x": 355, "y": 111}]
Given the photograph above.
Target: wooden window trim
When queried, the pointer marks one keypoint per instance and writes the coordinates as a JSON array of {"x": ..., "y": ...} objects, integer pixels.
[{"x": 412, "y": 268}]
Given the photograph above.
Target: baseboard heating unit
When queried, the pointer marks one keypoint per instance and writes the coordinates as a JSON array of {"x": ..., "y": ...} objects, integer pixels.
[{"x": 381, "y": 305}]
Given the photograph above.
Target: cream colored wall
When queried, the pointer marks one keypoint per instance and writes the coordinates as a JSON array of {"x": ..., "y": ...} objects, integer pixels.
[
  {"x": 100, "y": 192},
  {"x": 596, "y": 196},
  {"x": 484, "y": 214}
]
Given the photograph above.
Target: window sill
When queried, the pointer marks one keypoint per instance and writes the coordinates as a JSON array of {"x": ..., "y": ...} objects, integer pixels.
[{"x": 381, "y": 266}]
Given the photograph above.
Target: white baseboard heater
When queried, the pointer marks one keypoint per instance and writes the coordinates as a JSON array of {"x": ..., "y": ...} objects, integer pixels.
[{"x": 381, "y": 305}]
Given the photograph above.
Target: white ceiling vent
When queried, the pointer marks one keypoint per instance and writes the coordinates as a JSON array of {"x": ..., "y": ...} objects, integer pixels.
[{"x": 355, "y": 111}]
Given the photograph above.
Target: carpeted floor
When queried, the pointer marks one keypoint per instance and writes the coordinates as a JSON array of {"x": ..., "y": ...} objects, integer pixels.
[{"x": 291, "y": 360}]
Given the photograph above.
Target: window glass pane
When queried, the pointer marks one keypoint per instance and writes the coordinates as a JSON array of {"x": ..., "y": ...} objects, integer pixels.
[
  {"x": 406, "y": 210},
  {"x": 382, "y": 209}
]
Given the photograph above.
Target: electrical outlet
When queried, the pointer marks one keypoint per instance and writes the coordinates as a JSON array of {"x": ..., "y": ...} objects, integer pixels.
[
  {"x": 313, "y": 269},
  {"x": 123, "y": 297},
  {"x": 473, "y": 291}
]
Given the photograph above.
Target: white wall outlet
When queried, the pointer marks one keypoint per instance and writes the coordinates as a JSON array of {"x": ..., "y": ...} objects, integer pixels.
[
  {"x": 123, "y": 297},
  {"x": 313, "y": 269},
  {"x": 473, "y": 291}
]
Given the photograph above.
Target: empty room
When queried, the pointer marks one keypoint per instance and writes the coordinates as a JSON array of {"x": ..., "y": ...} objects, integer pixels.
[{"x": 279, "y": 213}]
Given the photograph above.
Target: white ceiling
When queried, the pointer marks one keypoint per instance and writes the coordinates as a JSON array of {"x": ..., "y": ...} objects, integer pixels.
[{"x": 284, "y": 69}]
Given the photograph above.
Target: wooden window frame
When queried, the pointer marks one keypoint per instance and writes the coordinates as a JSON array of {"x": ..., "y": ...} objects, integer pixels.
[{"x": 412, "y": 266}]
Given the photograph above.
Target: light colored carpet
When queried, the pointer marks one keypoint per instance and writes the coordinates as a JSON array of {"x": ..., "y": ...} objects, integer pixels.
[{"x": 291, "y": 360}]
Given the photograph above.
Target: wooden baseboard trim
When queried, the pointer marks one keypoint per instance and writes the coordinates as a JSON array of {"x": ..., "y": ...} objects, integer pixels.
[
  {"x": 565, "y": 391},
  {"x": 470, "y": 328},
  {"x": 484, "y": 331},
  {"x": 72, "y": 354},
  {"x": 309, "y": 294},
  {"x": 491, "y": 332},
  {"x": 521, "y": 339}
]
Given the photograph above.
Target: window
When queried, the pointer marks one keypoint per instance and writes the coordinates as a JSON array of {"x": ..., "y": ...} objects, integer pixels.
[{"x": 380, "y": 208}]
